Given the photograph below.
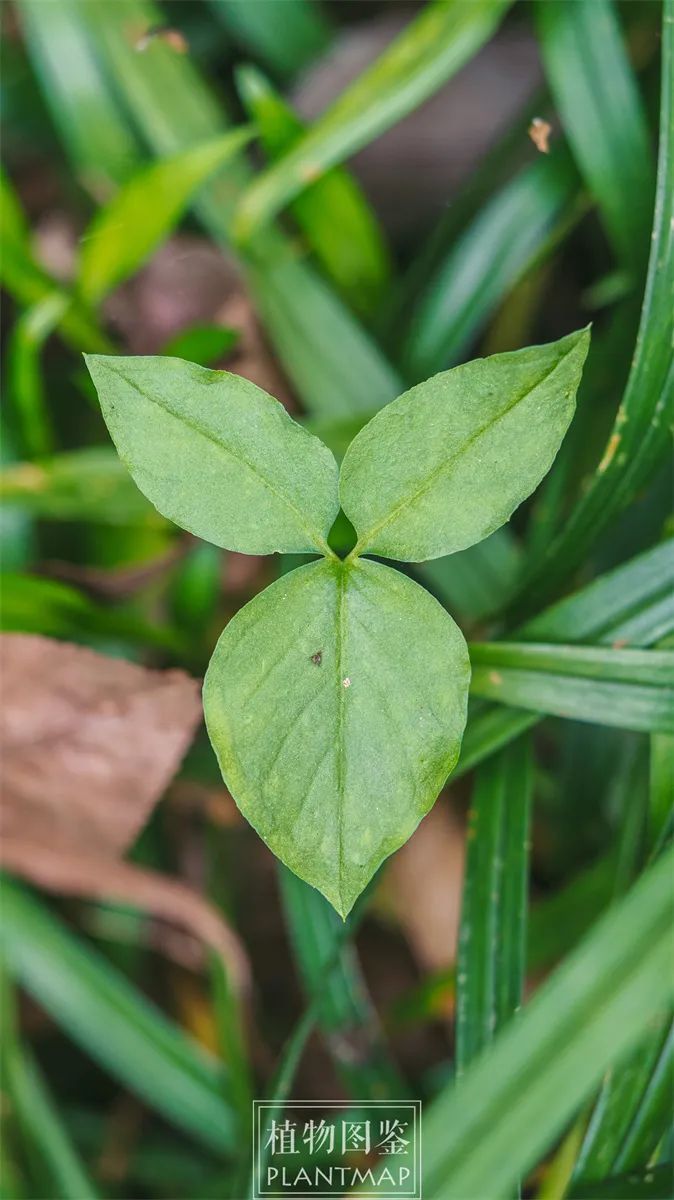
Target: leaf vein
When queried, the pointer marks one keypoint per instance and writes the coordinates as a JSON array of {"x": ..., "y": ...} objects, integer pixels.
[
  {"x": 445, "y": 465},
  {"x": 314, "y": 536}
]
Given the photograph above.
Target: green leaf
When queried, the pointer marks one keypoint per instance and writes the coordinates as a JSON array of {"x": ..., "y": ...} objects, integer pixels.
[
  {"x": 474, "y": 581},
  {"x": 46, "y": 1138},
  {"x": 114, "y": 1023},
  {"x": 661, "y": 785},
  {"x": 648, "y": 1183},
  {"x": 652, "y": 1112},
  {"x": 335, "y": 701},
  {"x": 334, "y": 365},
  {"x": 471, "y": 277},
  {"x": 124, "y": 233},
  {"x": 611, "y": 608},
  {"x": 81, "y": 485},
  {"x": 449, "y": 461},
  {"x": 633, "y": 689},
  {"x": 641, "y": 437},
  {"x": 286, "y": 37},
  {"x": 13, "y": 224},
  {"x": 322, "y": 952},
  {"x": 101, "y": 144},
  {"x": 425, "y": 55},
  {"x": 617, "y": 1121},
  {"x": 634, "y": 602},
  {"x": 217, "y": 455},
  {"x": 29, "y": 335},
  {"x": 33, "y": 604},
  {"x": 492, "y": 938},
  {"x": 202, "y": 344},
  {"x": 489, "y": 1129},
  {"x": 31, "y": 286},
  {"x": 598, "y": 99},
  {"x": 558, "y": 921},
  {"x": 332, "y": 213}
]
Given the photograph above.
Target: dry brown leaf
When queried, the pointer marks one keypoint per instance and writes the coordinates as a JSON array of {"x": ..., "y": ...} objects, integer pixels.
[
  {"x": 424, "y": 882},
  {"x": 70, "y": 873},
  {"x": 89, "y": 744},
  {"x": 539, "y": 131}
]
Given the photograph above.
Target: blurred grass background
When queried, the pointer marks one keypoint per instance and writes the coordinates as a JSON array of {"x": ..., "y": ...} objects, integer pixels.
[{"x": 338, "y": 200}]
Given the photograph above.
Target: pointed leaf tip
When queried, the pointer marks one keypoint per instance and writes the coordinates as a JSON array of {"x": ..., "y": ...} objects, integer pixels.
[{"x": 448, "y": 462}]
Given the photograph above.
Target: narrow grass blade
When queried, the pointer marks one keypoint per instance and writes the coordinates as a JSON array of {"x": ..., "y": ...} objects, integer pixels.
[
  {"x": 615, "y": 664},
  {"x": 31, "y": 286},
  {"x": 511, "y": 230},
  {"x": 492, "y": 938},
  {"x": 285, "y": 37},
  {"x": 474, "y": 581},
  {"x": 558, "y": 922},
  {"x": 651, "y": 1118},
  {"x": 144, "y": 212},
  {"x": 333, "y": 214},
  {"x": 496, "y": 168},
  {"x": 632, "y": 689},
  {"x": 81, "y": 485},
  {"x": 46, "y": 1139},
  {"x": 635, "y": 600},
  {"x": 344, "y": 1008},
  {"x": 103, "y": 149},
  {"x": 231, "y": 1041},
  {"x": 648, "y": 1183},
  {"x": 640, "y": 437},
  {"x": 116, "y": 1025},
  {"x": 598, "y": 99},
  {"x": 332, "y": 361},
  {"x": 283, "y": 1079},
  {"x": 53, "y": 1161},
  {"x": 633, "y": 1109},
  {"x": 428, "y": 52},
  {"x": 662, "y": 785},
  {"x": 33, "y": 604},
  {"x": 491, "y": 1127},
  {"x": 607, "y": 608},
  {"x": 28, "y": 337},
  {"x": 621, "y": 1115}
]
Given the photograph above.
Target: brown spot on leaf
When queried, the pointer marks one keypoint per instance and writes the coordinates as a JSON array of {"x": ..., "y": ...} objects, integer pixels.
[
  {"x": 609, "y": 453},
  {"x": 309, "y": 172},
  {"x": 317, "y": 658},
  {"x": 172, "y": 38}
]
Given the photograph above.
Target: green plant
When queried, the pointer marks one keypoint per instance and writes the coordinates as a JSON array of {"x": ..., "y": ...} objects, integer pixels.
[
  {"x": 336, "y": 699},
  {"x": 127, "y": 126}
]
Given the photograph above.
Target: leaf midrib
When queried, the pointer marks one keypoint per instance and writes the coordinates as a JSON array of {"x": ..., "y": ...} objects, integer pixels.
[
  {"x": 366, "y": 539},
  {"x": 314, "y": 536},
  {"x": 341, "y": 573}
]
